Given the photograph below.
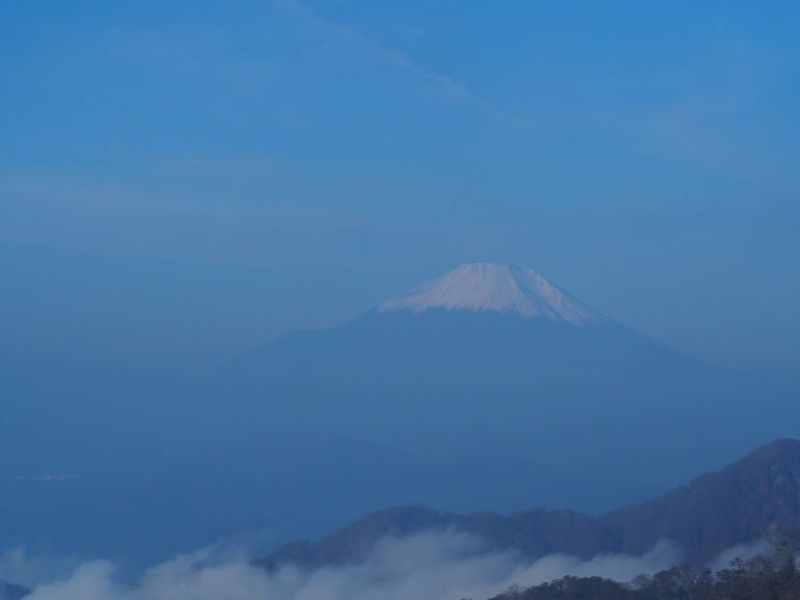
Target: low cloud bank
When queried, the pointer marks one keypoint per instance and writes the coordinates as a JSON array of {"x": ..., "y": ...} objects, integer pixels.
[
  {"x": 17, "y": 566},
  {"x": 441, "y": 565}
]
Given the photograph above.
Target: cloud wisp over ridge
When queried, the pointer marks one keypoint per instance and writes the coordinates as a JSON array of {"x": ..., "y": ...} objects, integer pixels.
[{"x": 434, "y": 565}]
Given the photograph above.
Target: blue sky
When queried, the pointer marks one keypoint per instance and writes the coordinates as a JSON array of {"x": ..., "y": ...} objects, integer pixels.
[{"x": 190, "y": 178}]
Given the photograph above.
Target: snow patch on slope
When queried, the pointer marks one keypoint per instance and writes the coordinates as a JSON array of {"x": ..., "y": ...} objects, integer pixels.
[{"x": 512, "y": 289}]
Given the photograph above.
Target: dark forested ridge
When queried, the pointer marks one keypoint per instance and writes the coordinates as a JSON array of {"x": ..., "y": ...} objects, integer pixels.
[
  {"x": 772, "y": 575},
  {"x": 754, "y": 497}
]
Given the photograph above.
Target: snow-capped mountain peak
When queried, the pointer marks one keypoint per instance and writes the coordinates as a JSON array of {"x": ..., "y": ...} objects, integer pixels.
[{"x": 512, "y": 289}]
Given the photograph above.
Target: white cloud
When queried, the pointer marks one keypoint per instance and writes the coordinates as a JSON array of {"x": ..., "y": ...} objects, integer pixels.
[
  {"x": 742, "y": 551},
  {"x": 441, "y": 565},
  {"x": 19, "y": 566},
  {"x": 92, "y": 581}
]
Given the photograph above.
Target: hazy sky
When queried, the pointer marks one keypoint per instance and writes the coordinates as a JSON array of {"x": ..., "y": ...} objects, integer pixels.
[{"x": 191, "y": 178}]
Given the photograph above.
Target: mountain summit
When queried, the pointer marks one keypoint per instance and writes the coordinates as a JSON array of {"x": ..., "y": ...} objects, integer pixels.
[{"x": 511, "y": 289}]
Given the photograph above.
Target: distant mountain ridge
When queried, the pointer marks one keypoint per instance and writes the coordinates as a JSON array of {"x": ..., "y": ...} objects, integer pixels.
[{"x": 754, "y": 497}]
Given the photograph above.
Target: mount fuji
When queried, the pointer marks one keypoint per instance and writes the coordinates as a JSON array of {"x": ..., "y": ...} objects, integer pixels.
[
  {"x": 493, "y": 373},
  {"x": 484, "y": 328},
  {"x": 508, "y": 289}
]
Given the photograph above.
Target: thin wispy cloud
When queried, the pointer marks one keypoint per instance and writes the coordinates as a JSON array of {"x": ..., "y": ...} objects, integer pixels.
[
  {"x": 48, "y": 477},
  {"x": 440, "y": 85}
]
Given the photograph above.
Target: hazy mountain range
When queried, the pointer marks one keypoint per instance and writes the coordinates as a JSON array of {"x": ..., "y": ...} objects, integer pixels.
[
  {"x": 417, "y": 552},
  {"x": 750, "y": 500}
]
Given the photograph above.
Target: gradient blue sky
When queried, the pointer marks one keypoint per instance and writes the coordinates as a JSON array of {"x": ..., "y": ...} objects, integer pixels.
[{"x": 186, "y": 179}]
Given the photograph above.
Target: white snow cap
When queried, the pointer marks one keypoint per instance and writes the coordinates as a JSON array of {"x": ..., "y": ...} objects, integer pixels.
[{"x": 513, "y": 289}]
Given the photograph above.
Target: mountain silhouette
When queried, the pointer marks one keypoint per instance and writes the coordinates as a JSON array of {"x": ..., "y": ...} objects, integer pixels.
[{"x": 751, "y": 499}]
